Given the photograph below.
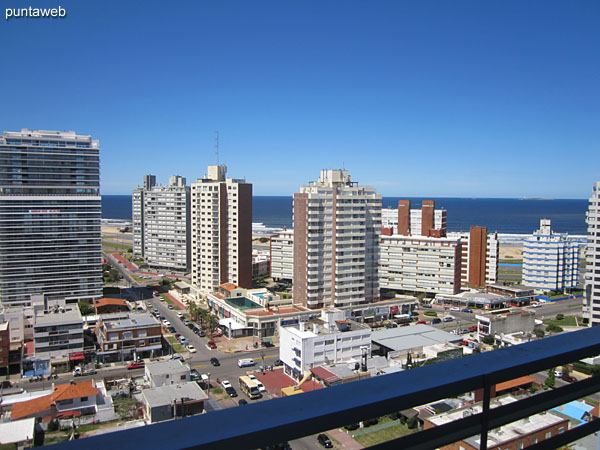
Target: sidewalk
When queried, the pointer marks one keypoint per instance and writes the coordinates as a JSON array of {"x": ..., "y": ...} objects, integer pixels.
[
  {"x": 242, "y": 344},
  {"x": 344, "y": 439}
]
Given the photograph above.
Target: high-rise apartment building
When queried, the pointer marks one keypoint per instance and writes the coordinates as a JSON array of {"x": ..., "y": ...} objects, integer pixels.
[
  {"x": 591, "y": 306},
  {"x": 551, "y": 260},
  {"x": 282, "y": 255},
  {"x": 405, "y": 221},
  {"x": 336, "y": 242},
  {"x": 161, "y": 215},
  {"x": 479, "y": 261},
  {"x": 50, "y": 241},
  {"x": 221, "y": 230}
]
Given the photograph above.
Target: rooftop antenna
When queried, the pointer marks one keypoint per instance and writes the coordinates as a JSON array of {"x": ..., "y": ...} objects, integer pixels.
[{"x": 217, "y": 147}]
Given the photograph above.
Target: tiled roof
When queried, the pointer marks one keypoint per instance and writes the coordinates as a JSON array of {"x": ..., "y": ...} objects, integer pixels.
[
  {"x": 61, "y": 392},
  {"x": 515, "y": 383},
  {"x": 110, "y": 301},
  {"x": 229, "y": 286}
]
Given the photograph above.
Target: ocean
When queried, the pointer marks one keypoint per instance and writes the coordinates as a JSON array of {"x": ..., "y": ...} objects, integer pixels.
[{"x": 503, "y": 215}]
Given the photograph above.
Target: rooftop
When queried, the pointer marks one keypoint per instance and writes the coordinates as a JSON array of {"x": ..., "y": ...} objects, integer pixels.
[
  {"x": 17, "y": 431},
  {"x": 166, "y": 367},
  {"x": 412, "y": 337},
  {"x": 58, "y": 316},
  {"x": 110, "y": 301},
  {"x": 166, "y": 395},
  {"x": 132, "y": 320}
]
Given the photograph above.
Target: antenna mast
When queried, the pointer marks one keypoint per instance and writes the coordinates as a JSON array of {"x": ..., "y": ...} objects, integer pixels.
[{"x": 217, "y": 147}]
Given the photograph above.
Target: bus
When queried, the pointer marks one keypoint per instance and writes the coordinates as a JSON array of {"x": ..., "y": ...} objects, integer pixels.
[{"x": 249, "y": 387}]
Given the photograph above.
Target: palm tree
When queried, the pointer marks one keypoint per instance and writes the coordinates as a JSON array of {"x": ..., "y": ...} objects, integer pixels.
[{"x": 212, "y": 322}]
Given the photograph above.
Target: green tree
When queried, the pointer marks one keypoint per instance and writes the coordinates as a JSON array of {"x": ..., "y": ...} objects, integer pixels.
[
  {"x": 488, "y": 339},
  {"x": 554, "y": 329},
  {"x": 551, "y": 379},
  {"x": 85, "y": 308},
  {"x": 165, "y": 282},
  {"x": 560, "y": 316},
  {"x": 539, "y": 333},
  {"x": 212, "y": 323}
]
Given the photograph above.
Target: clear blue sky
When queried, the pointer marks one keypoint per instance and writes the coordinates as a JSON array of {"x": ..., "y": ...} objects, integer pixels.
[{"x": 442, "y": 98}]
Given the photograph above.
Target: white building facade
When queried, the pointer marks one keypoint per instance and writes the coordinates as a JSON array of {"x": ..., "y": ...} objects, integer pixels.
[
  {"x": 58, "y": 332},
  {"x": 551, "y": 260},
  {"x": 221, "y": 230},
  {"x": 161, "y": 215},
  {"x": 420, "y": 264},
  {"x": 282, "y": 255},
  {"x": 328, "y": 340},
  {"x": 49, "y": 217},
  {"x": 336, "y": 242},
  {"x": 591, "y": 306}
]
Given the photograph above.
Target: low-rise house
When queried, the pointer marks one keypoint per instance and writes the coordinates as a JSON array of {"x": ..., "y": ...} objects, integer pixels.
[
  {"x": 126, "y": 335},
  {"x": 18, "y": 434},
  {"x": 110, "y": 305},
  {"x": 519, "y": 320},
  {"x": 70, "y": 399},
  {"x": 516, "y": 435},
  {"x": 164, "y": 373},
  {"x": 179, "y": 400}
]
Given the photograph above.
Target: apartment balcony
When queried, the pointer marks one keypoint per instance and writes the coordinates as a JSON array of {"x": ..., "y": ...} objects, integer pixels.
[{"x": 258, "y": 425}]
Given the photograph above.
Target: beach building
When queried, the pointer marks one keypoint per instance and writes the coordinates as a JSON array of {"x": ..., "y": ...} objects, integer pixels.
[
  {"x": 591, "y": 305},
  {"x": 161, "y": 216},
  {"x": 479, "y": 259},
  {"x": 419, "y": 263},
  {"x": 282, "y": 255},
  {"x": 221, "y": 221},
  {"x": 551, "y": 260},
  {"x": 49, "y": 216},
  {"x": 405, "y": 221},
  {"x": 336, "y": 242}
]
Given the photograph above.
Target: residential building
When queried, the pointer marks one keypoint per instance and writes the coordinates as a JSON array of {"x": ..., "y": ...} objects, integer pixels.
[
  {"x": 519, "y": 320},
  {"x": 164, "y": 373},
  {"x": 516, "y": 435},
  {"x": 325, "y": 340},
  {"x": 479, "y": 261},
  {"x": 107, "y": 305},
  {"x": 4, "y": 347},
  {"x": 426, "y": 221},
  {"x": 22, "y": 318},
  {"x": 336, "y": 242},
  {"x": 420, "y": 264},
  {"x": 49, "y": 216},
  {"x": 551, "y": 260},
  {"x": 127, "y": 335},
  {"x": 17, "y": 434},
  {"x": 282, "y": 255},
  {"x": 78, "y": 398},
  {"x": 167, "y": 402},
  {"x": 261, "y": 263},
  {"x": 161, "y": 217},
  {"x": 221, "y": 221},
  {"x": 591, "y": 304},
  {"x": 58, "y": 332}
]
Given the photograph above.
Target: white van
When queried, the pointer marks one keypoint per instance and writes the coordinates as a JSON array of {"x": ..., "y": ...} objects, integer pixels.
[{"x": 245, "y": 362}]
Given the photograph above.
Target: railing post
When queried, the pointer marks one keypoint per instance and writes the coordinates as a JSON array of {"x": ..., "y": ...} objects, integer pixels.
[{"x": 484, "y": 413}]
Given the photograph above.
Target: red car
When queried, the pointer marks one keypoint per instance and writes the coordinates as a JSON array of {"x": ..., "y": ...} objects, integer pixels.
[
  {"x": 421, "y": 322},
  {"x": 136, "y": 365},
  {"x": 212, "y": 344},
  {"x": 473, "y": 328}
]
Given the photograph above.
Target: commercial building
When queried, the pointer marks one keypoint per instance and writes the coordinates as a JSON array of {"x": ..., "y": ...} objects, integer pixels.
[
  {"x": 221, "y": 221},
  {"x": 126, "y": 335},
  {"x": 420, "y": 264},
  {"x": 516, "y": 435},
  {"x": 49, "y": 216},
  {"x": 479, "y": 261},
  {"x": 551, "y": 260},
  {"x": 166, "y": 373},
  {"x": 591, "y": 304},
  {"x": 426, "y": 221},
  {"x": 336, "y": 242},
  {"x": 325, "y": 340},
  {"x": 282, "y": 255},
  {"x": 511, "y": 322},
  {"x": 167, "y": 402},
  {"x": 161, "y": 215},
  {"x": 58, "y": 332},
  {"x": 398, "y": 342}
]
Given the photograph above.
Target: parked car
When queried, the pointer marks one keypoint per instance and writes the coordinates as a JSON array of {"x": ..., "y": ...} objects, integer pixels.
[
  {"x": 170, "y": 306},
  {"x": 5, "y": 384},
  {"x": 324, "y": 440},
  {"x": 201, "y": 333},
  {"x": 421, "y": 322},
  {"x": 179, "y": 314},
  {"x": 215, "y": 362},
  {"x": 191, "y": 348},
  {"x": 211, "y": 344},
  {"x": 79, "y": 372},
  {"x": 177, "y": 335},
  {"x": 226, "y": 384},
  {"x": 231, "y": 392},
  {"x": 278, "y": 362},
  {"x": 242, "y": 402},
  {"x": 176, "y": 356},
  {"x": 171, "y": 329},
  {"x": 455, "y": 308},
  {"x": 436, "y": 320},
  {"x": 569, "y": 378},
  {"x": 473, "y": 328},
  {"x": 261, "y": 387},
  {"x": 136, "y": 365},
  {"x": 194, "y": 375},
  {"x": 426, "y": 305},
  {"x": 448, "y": 319},
  {"x": 467, "y": 310}
]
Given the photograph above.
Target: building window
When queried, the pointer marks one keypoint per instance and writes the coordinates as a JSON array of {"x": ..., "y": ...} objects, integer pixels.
[
  {"x": 182, "y": 377},
  {"x": 84, "y": 399},
  {"x": 548, "y": 434}
]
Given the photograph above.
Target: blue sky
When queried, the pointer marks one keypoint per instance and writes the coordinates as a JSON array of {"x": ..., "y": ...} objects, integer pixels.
[{"x": 445, "y": 99}]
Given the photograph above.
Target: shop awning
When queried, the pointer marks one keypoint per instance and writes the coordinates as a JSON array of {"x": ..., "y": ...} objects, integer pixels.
[
  {"x": 76, "y": 356},
  {"x": 267, "y": 340}
]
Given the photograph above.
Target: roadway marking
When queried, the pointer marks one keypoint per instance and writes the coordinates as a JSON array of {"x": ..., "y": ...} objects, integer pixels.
[{"x": 199, "y": 367}]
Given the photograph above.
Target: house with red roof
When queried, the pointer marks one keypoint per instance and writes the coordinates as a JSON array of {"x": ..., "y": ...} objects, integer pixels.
[
  {"x": 110, "y": 305},
  {"x": 67, "y": 400}
]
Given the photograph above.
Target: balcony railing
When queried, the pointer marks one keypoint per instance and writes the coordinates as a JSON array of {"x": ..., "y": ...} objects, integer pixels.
[{"x": 260, "y": 424}]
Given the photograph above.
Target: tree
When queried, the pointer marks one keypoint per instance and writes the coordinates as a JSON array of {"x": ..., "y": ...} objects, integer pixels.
[
  {"x": 412, "y": 422},
  {"x": 539, "y": 333},
  {"x": 560, "y": 316},
  {"x": 113, "y": 275},
  {"x": 554, "y": 329},
  {"x": 566, "y": 371},
  {"x": 165, "y": 282},
  {"x": 85, "y": 308},
  {"x": 212, "y": 322},
  {"x": 551, "y": 379},
  {"x": 488, "y": 339}
]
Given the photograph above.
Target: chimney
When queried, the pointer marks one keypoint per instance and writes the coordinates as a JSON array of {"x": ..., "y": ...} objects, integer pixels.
[{"x": 301, "y": 326}]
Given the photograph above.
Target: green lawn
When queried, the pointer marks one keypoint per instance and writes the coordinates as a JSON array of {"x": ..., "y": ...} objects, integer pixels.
[
  {"x": 430, "y": 313},
  {"x": 568, "y": 321},
  {"x": 166, "y": 299},
  {"x": 110, "y": 244},
  {"x": 386, "y": 434},
  {"x": 177, "y": 347}
]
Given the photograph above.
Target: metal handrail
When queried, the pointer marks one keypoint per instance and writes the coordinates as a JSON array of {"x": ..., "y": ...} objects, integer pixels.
[{"x": 265, "y": 423}]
